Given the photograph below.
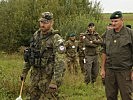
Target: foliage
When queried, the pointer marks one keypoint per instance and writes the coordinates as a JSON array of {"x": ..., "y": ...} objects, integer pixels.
[{"x": 19, "y": 18}]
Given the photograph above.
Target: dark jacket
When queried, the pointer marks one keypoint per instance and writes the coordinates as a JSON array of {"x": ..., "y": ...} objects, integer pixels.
[{"x": 118, "y": 47}]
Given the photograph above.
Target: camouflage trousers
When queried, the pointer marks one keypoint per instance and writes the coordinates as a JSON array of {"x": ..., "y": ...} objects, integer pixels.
[
  {"x": 40, "y": 80},
  {"x": 91, "y": 69},
  {"x": 72, "y": 65}
]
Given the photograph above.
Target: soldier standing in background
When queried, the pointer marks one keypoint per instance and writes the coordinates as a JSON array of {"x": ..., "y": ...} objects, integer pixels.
[
  {"x": 81, "y": 52},
  {"x": 71, "y": 54},
  {"x": 92, "y": 41},
  {"x": 44, "y": 58},
  {"x": 109, "y": 26},
  {"x": 117, "y": 59}
]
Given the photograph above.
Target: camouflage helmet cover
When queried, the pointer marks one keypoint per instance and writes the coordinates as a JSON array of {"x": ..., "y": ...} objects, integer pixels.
[{"x": 45, "y": 16}]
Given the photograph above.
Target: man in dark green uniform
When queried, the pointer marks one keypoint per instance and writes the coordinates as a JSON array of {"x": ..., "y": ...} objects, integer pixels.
[
  {"x": 92, "y": 41},
  {"x": 44, "y": 58},
  {"x": 71, "y": 53},
  {"x": 117, "y": 59}
]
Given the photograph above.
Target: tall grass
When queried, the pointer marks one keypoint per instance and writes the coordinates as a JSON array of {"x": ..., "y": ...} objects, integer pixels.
[{"x": 73, "y": 87}]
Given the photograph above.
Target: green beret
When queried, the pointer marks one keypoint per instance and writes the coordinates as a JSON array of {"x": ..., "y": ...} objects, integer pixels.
[
  {"x": 116, "y": 14},
  {"x": 72, "y": 34}
]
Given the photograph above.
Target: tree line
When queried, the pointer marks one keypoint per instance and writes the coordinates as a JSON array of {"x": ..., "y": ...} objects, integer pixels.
[{"x": 19, "y": 19}]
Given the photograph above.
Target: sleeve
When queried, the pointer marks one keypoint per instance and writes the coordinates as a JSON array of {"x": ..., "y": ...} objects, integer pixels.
[
  {"x": 66, "y": 44},
  {"x": 25, "y": 69},
  {"x": 98, "y": 41},
  {"x": 59, "y": 68},
  {"x": 89, "y": 43},
  {"x": 27, "y": 64},
  {"x": 132, "y": 45}
]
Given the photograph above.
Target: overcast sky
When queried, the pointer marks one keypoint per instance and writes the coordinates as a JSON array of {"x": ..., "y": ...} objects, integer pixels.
[{"x": 110, "y": 6}]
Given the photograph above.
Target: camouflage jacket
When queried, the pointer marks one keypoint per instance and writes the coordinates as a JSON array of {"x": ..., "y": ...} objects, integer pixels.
[
  {"x": 71, "y": 48},
  {"x": 51, "y": 47}
]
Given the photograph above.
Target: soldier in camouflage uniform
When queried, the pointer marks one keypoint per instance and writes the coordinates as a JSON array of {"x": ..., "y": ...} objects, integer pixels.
[
  {"x": 92, "y": 41},
  {"x": 44, "y": 58},
  {"x": 81, "y": 52},
  {"x": 71, "y": 54},
  {"x": 117, "y": 59}
]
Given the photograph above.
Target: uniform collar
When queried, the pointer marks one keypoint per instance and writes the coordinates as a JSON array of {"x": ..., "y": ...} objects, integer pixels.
[{"x": 95, "y": 33}]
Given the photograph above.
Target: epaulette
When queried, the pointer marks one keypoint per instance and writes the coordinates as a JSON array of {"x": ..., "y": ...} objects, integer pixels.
[{"x": 55, "y": 32}]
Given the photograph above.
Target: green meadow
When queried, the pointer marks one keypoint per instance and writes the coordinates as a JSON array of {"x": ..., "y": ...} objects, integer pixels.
[{"x": 73, "y": 87}]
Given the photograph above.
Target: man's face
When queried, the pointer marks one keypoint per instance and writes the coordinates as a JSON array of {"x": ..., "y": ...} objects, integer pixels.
[
  {"x": 45, "y": 25},
  {"x": 109, "y": 27},
  {"x": 72, "y": 38},
  {"x": 117, "y": 23},
  {"x": 91, "y": 28}
]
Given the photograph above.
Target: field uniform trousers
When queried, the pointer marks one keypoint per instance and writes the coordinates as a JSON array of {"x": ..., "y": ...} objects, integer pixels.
[
  {"x": 121, "y": 80},
  {"x": 40, "y": 80},
  {"x": 91, "y": 68},
  {"x": 72, "y": 65}
]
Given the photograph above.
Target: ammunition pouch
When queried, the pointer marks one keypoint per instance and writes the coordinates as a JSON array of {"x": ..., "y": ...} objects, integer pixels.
[
  {"x": 32, "y": 56},
  {"x": 47, "y": 56},
  {"x": 27, "y": 54}
]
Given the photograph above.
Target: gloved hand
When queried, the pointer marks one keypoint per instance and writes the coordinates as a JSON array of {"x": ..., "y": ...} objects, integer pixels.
[
  {"x": 22, "y": 78},
  {"x": 52, "y": 87}
]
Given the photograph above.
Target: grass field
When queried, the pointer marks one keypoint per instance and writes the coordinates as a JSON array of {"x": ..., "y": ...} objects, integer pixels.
[{"x": 73, "y": 87}]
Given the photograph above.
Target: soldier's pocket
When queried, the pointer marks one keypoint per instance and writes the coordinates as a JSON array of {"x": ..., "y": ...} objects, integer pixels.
[
  {"x": 34, "y": 75},
  {"x": 128, "y": 75},
  {"x": 109, "y": 74}
]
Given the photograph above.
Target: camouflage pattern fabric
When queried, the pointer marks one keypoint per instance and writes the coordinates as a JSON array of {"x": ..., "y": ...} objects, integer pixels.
[
  {"x": 52, "y": 67},
  {"x": 71, "y": 54},
  {"x": 81, "y": 55}
]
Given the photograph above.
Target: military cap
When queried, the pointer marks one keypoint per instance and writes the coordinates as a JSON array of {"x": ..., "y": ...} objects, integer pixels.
[
  {"x": 46, "y": 16},
  {"x": 116, "y": 14},
  {"x": 72, "y": 34},
  {"x": 91, "y": 24}
]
